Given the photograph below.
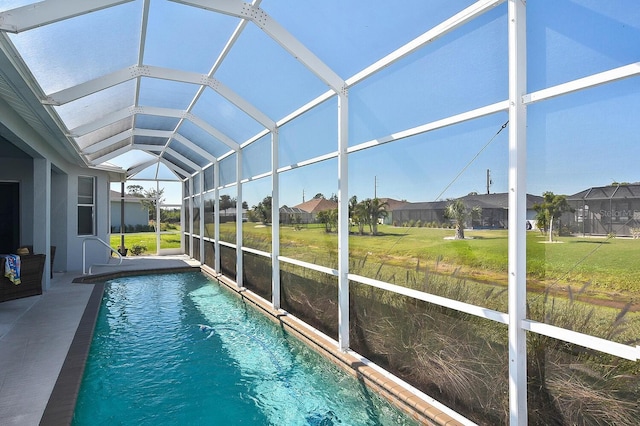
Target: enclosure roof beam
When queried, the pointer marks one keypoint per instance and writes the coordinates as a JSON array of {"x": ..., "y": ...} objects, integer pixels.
[
  {"x": 456, "y": 21},
  {"x": 153, "y": 133},
  {"x": 435, "y": 125},
  {"x": 156, "y": 133},
  {"x": 195, "y": 148},
  {"x": 108, "y": 156},
  {"x": 609, "y": 76},
  {"x": 148, "y": 147},
  {"x": 105, "y": 143},
  {"x": 182, "y": 158},
  {"x": 277, "y": 32},
  {"x": 120, "y": 76},
  {"x": 213, "y": 131},
  {"x": 140, "y": 167},
  {"x": 125, "y": 135},
  {"x": 174, "y": 167},
  {"x": 122, "y": 114},
  {"x": 48, "y": 12}
]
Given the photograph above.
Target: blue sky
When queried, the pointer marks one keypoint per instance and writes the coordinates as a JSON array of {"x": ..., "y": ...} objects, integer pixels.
[
  {"x": 576, "y": 141},
  {"x": 590, "y": 138}
]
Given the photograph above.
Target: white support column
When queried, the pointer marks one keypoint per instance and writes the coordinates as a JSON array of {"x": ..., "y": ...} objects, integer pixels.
[
  {"x": 275, "y": 221},
  {"x": 202, "y": 216},
  {"x": 239, "y": 264},
  {"x": 343, "y": 221},
  {"x": 216, "y": 215},
  {"x": 190, "y": 224},
  {"x": 183, "y": 247},
  {"x": 42, "y": 215},
  {"x": 157, "y": 217},
  {"x": 517, "y": 213}
]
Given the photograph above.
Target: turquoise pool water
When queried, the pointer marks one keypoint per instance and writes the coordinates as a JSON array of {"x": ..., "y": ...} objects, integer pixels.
[{"x": 151, "y": 363}]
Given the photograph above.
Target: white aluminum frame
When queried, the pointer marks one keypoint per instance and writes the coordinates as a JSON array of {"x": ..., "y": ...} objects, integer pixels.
[
  {"x": 275, "y": 220},
  {"x": 517, "y": 242},
  {"x": 32, "y": 16},
  {"x": 516, "y": 319}
]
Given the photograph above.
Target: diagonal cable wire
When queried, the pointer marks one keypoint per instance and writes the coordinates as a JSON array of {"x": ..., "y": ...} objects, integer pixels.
[
  {"x": 472, "y": 160},
  {"x": 456, "y": 178}
]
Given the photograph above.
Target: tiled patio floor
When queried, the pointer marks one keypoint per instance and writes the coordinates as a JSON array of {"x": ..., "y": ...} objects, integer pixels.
[{"x": 35, "y": 335}]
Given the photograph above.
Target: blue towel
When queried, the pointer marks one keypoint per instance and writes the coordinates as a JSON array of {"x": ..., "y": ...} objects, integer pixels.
[{"x": 12, "y": 267}]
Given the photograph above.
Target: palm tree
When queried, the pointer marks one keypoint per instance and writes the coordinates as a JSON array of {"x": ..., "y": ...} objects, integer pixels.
[
  {"x": 551, "y": 209},
  {"x": 353, "y": 202},
  {"x": 458, "y": 212},
  {"x": 329, "y": 218},
  {"x": 377, "y": 210},
  {"x": 361, "y": 215}
]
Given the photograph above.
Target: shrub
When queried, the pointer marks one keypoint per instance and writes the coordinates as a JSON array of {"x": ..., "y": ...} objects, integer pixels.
[
  {"x": 137, "y": 249},
  {"x": 168, "y": 227}
]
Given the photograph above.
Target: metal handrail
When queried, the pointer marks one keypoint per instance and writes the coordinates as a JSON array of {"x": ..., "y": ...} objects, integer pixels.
[{"x": 84, "y": 256}]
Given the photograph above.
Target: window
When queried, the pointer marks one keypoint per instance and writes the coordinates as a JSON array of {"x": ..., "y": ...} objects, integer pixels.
[{"x": 86, "y": 205}]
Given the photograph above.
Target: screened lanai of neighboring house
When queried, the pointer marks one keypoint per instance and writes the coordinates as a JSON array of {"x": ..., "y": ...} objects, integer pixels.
[{"x": 243, "y": 111}]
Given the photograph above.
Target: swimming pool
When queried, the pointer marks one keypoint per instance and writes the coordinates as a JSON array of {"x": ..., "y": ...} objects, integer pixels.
[{"x": 150, "y": 363}]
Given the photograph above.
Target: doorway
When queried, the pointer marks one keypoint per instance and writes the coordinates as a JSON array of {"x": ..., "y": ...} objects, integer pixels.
[{"x": 9, "y": 217}]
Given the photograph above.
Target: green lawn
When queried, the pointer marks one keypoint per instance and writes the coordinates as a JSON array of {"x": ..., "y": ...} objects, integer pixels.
[
  {"x": 474, "y": 270},
  {"x": 404, "y": 255},
  {"x": 148, "y": 240},
  {"x": 606, "y": 264}
]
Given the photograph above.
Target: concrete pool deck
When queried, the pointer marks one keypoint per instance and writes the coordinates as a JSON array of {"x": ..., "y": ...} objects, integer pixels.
[
  {"x": 36, "y": 333},
  {"x": 39, "y": 339}
]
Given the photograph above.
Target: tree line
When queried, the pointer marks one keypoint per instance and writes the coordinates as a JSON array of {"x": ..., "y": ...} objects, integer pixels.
[{"x": 367, "y": 213}]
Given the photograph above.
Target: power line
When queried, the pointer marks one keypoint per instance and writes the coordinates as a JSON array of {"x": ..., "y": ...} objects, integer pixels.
[{"x": 472, "y": 160}]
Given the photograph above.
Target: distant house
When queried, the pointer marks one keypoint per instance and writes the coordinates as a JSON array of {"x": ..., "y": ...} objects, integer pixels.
[
  {"x": 292, "y": 215},
  {"x": 602, "y": 210},
  {"x": 135, "y": 214},
  {"x": 230, "y": 214},
  {"x": 425, "y": 212},
  {"x": 392, "y": 205},
  {"x": 314, "y": 206},
  {"x": 495, "y": 211}
]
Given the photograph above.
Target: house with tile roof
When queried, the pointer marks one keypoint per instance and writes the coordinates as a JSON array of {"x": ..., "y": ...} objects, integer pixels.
[{"x": 315, "y": 206}]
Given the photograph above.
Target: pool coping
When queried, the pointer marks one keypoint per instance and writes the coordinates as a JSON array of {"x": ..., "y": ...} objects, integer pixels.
[
  {"x": 62, "y": 401},
  {"x": 388, "y": 386},
  {"x": 61, "y": 404}
]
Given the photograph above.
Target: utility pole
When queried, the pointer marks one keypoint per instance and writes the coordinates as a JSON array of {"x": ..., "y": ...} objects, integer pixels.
[
  {"x": 375, "y": 187},
  {"x": 488, "y": 180}
]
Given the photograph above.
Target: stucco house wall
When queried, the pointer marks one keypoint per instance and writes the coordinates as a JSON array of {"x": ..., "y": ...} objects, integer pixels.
[
  {"x": 49, "y": 186},
  {"x": 134, "y": 212}
]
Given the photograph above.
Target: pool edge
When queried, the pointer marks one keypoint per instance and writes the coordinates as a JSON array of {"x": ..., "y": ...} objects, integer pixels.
[
  {"x": 62, "y": 401},
  {"x": 61, "y": 404},
  {"x": 106, "y": 276},
  {"x": 394, "y": 391}
]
